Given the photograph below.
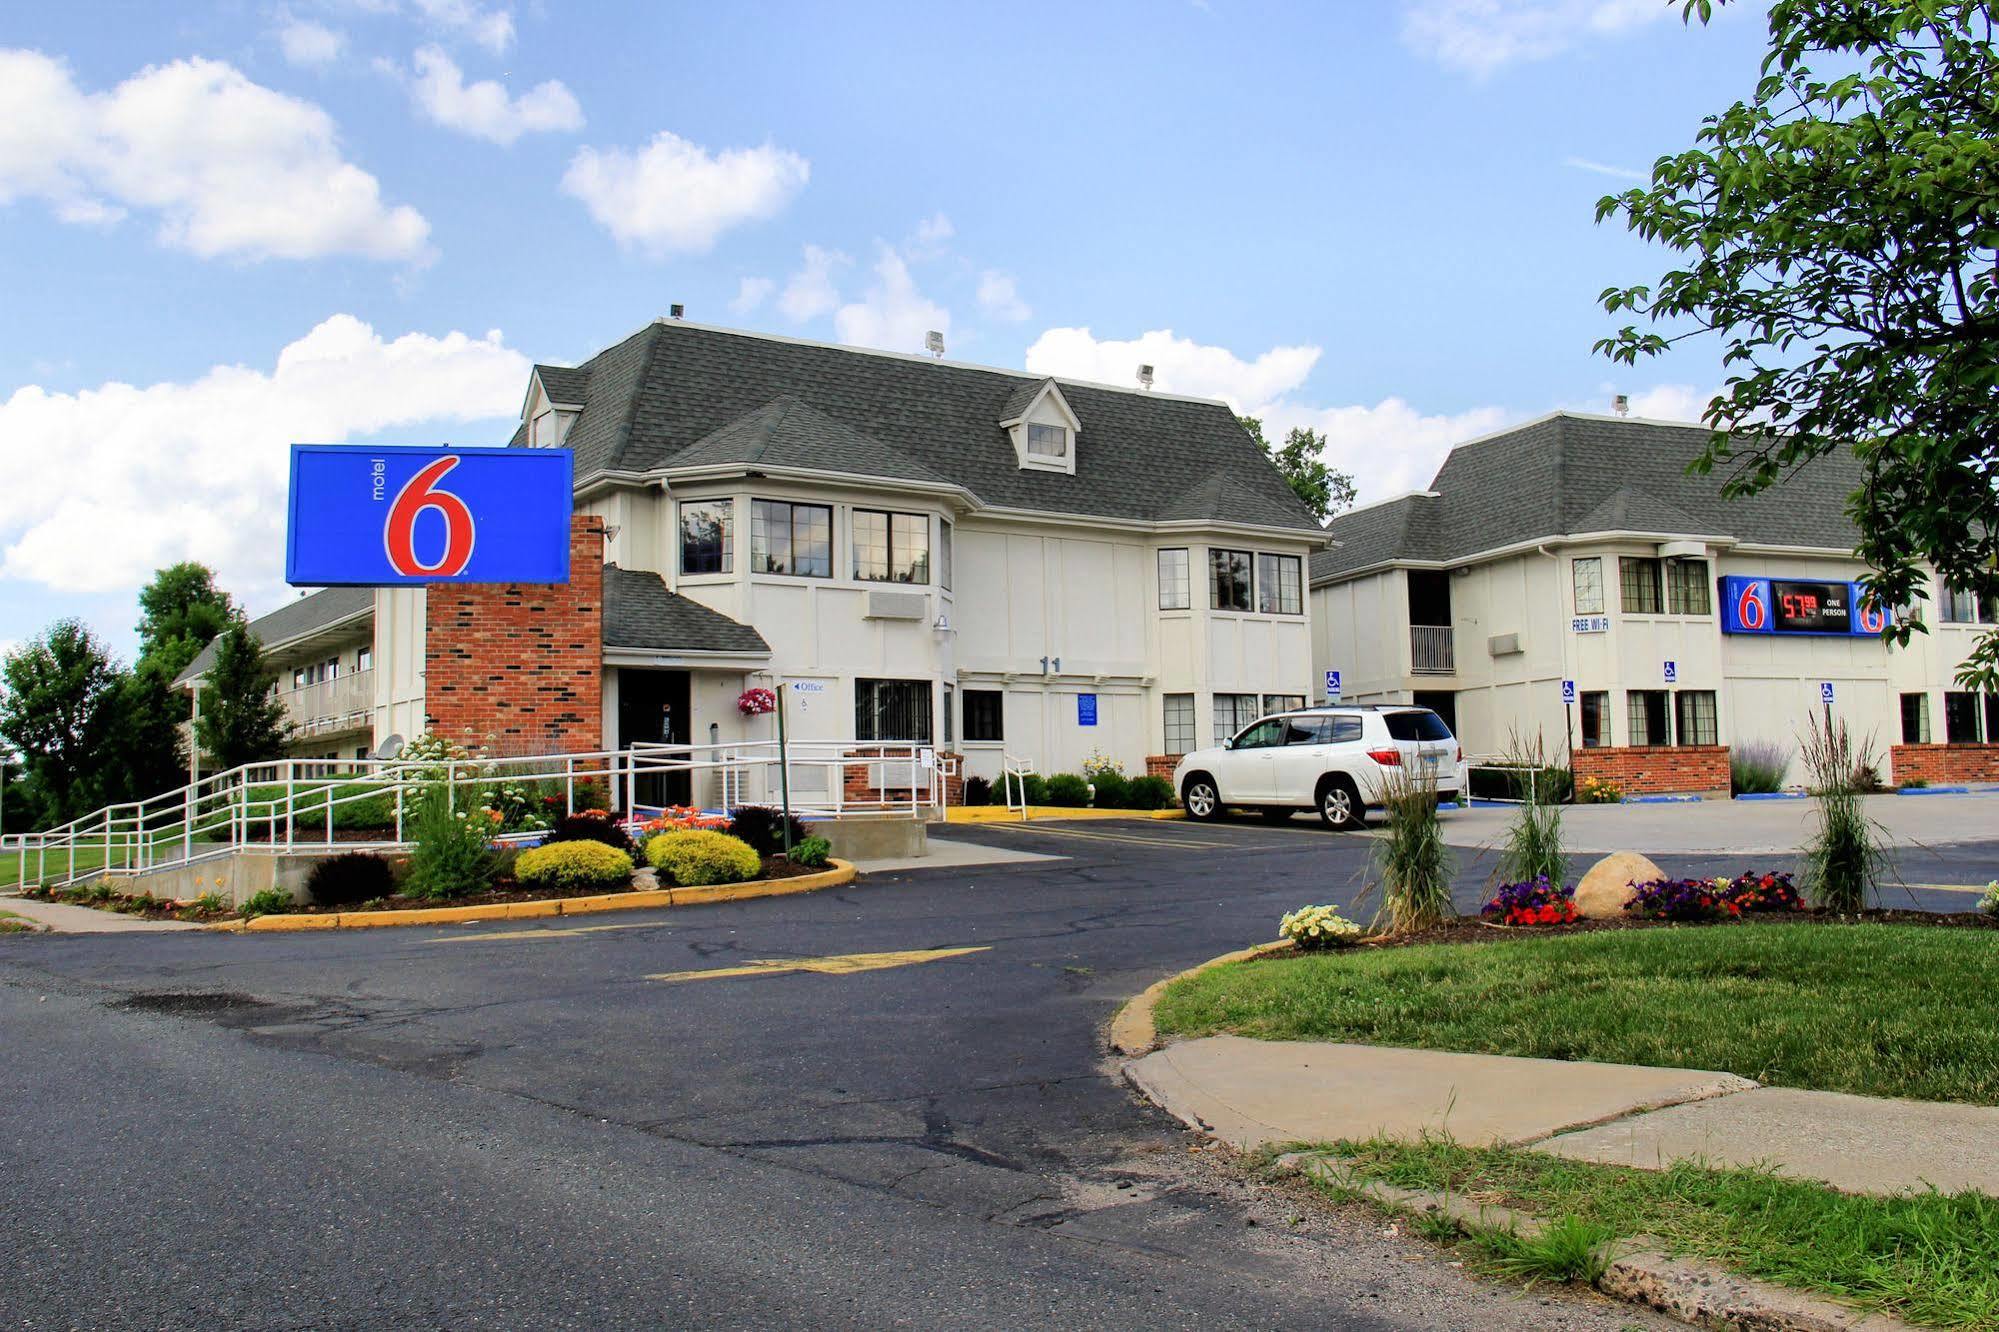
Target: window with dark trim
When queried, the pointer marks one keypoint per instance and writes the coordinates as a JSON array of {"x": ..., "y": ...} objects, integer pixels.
[
  {"x": 1915, "y": 719},
  {"x": 1587, "y": 576},
  {"x": 944, "y": 535},
  {"x": 788, "y": 538},
  {"x": 1639, "y": 582},
  {"x": 891, "y": 547},
  {"x": 1283, "y": 702},
  {"x": 1279, "y": 589},
  {"x": 892, "y": 710},
  {"x": 1596, "y": 719},
  {"x": 1697, "y": 721},
  {"x": 1687, "y": 588},
  {"x": 1228, "y": 580},
  {"x": 1960, "y": 718},
  {"x": 985, "y": 715},
  {"x": 1179, "y": 723},
  {"x": 949, "y": 701},
  {"x": 1173, "y": 575},
  {"x": 705, "y": 547},
  {"x": 1232, "y": 713},
  {"x": 1650, "y": 717}
]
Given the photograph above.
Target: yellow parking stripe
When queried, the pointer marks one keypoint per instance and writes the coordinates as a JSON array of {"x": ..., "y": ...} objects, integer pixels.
[
  {"x": 1950, "y": 887},
  {"x": 843, "y": 965}
]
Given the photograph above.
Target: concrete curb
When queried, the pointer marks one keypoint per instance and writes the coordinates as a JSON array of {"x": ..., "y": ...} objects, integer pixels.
[
  {"x": 1132, "y": 1032},
  {"x": 1050, "y": 814},
  {"x": 1639, "y": 1270},
  {"x": 841, "y": 872}
]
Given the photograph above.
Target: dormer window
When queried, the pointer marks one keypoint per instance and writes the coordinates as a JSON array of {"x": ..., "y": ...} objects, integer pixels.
[{"x": 1047, "y": 441}]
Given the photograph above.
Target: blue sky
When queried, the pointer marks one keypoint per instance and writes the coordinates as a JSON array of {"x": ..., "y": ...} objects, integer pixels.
[{"x": 225, "y": 229}]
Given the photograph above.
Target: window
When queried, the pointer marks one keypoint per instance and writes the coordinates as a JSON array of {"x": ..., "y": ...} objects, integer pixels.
[
  {"x": 1228, "y": 581},
  {"x": 947, "y": 715},
  {"x": 1179, "y": 723},
  {"x": 1587, "y": 575},
  {"x": 1232, "y": 713},
  {"x": 1650, "y": 724},
  {"x": 1915, "y": 719},
  {"x": 705, "y": 531},
  {"x": 332, "y": 668},
  {"x": 1173, "y": 590},
  {"x": 891, "y": 547},
  {"x": 944, "y": 553},
  {"x": 298, "y": 677},
  {"x": 1687, "y": 588},
  {"x": 1047, "y": 441},
  {"x": 1596, "y": 719},
  {"x": 1262, "y": 735},
  {"x": 1277, "y": 585},
  {"x": 1283, "y": 702},
  {"x": 361, "y": 751},
  {"x": 364, "y": 660},
  {"x": 892, "y": 710},
  {"x": 985, "y": 718},
  {"x": 1962, "y": 606},
  {"x": 1992, "y": 719},
  {"x": 1696, "y": 717},
  {"x": 1960, "y": 718},
  {"x": 1418, "y": 724},
  {"x": 791, "y": 539},
  {"x": 1640, "y": 584}
]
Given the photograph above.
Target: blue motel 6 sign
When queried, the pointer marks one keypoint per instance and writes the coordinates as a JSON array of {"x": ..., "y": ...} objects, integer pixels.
[{"x": 366, "y": 516}]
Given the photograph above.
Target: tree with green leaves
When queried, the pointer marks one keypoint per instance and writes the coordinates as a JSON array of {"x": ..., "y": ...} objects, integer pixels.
[
  {"x": 180, "y": 611},
  {"x": 241, "y": 719},
  {"x": 1838, "y": 231},
  {"x": 59, "y": 710},
  {"x": 1324, "y": 489},
  {"x": 144, "y": 753}
]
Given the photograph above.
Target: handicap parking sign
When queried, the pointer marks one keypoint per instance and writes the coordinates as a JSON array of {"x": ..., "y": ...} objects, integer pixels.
[
  {"x": 1825, "y": 691},
  {"x": 1672, "y": 672},
  {"x": 1332, "y": 686},
  {"x": 1568, "y": 691}
]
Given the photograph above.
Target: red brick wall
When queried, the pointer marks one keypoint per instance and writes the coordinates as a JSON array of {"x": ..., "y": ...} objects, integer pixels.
[
  {"x": 1944, "y": 763},
  {"x": 1161, "y": 765},
  {"x": 519, "y": 667},
  {"x": 856, "y": 789},
  {"x": 1666, "y": 770}
]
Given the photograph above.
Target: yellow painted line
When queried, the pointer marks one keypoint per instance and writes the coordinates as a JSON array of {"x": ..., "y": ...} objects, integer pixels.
[
  {"x": 1980, "y": 888},
  {"x": 845, "y": 964},
  {"x": 1111, "y": 837}
]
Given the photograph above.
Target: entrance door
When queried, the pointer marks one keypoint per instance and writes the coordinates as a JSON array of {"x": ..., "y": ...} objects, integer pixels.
[{"x": 653, "y": 708}]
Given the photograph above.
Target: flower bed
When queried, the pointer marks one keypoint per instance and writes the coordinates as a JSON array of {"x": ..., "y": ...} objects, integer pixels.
[{"x": 1536, "y": 902}]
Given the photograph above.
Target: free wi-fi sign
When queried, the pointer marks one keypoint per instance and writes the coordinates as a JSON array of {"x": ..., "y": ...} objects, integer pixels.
[{"x": 381, "y": 516}]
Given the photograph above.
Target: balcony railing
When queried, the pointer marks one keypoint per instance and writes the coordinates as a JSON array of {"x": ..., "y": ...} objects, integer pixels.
[
  {"x": 1431, "y": 650},
  {"x": 344, "y": 703}
]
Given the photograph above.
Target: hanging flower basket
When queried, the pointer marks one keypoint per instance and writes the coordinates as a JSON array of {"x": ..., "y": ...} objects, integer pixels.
[{"x": 756, "y": 702}]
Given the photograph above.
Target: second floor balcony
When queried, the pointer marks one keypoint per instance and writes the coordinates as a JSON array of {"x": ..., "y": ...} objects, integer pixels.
[
  {"x": 344, "y": 703},
  {"x": 1432, "y": 649}
]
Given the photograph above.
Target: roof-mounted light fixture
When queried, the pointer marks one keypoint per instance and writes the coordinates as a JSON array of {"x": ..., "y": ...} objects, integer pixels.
[
  {"x": 1145, "y": 376},
  {"x": 933, "y": 342}
]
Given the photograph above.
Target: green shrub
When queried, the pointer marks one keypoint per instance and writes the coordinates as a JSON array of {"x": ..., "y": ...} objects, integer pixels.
[
  {"x": 452, "y": 855},
  {"x": 813, "y": 852},
  {"x": 1111, "y": 790},
  {"x": 1415, "y": 864},
  {"x": 346, "y": 880},
  {"x": 1757, "y": 767},
  {"x": 978, "y": 791},
  {"x": 592, "y": 828},
  {"x": 578, "y": 864},
  {"x": 692, "y": 857},
  {"x": 1150, "y": 793},
  {"x": 1067, "y": 790},
  {"x": 1031, "y": 789},
  {"x": 267, "y": 902},
  {"x": 763, "y": 828}
]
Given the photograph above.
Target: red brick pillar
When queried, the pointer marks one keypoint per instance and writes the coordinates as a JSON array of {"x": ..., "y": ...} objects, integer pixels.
[{"x": 518, "y": 668}]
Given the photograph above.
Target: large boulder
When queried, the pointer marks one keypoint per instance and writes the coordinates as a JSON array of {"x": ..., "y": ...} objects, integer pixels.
[{"x": 1607, "y": 887}]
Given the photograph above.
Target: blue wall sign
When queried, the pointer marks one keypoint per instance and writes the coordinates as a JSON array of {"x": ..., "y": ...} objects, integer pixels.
[
  {"x": 1086, "y": 709},
  {"x": 1568, "y": 691},
  {"x": 1332, "y": 686},
  {"x": 1672, "y": 672},
  {"x": 1798, "y": 606},
  {"x": 1825, "y": 692},
  {"x": 362, "y": 516}
]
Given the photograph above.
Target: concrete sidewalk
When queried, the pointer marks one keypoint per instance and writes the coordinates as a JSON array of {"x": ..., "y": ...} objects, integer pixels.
[
  {"x": 63, "y": 918},
  {"x": 1258, "y": 1093}
]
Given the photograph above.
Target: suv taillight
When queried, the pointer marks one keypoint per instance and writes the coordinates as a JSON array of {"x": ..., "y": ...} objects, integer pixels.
[{"x": 1387, "y": 758}]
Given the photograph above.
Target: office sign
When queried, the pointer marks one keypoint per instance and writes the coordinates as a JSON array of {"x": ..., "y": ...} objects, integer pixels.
[
  {"x": 1086, "y": 709},
  {"x": 1792, "y": 606},
  {"x": 370, "y": 517},
  {"x": 1332, "y": 686}
]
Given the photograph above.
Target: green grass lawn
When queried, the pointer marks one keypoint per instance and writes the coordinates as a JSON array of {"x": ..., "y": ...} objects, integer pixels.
[
  {"x": 1929, "y": 1258},
  {"x": 1880, "y": 1010}
]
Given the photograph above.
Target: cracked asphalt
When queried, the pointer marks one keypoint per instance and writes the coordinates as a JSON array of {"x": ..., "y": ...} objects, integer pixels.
[{"x": 508, "y": 1125}]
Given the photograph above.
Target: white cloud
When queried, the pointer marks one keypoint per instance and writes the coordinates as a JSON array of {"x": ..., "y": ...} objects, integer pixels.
[
  {"x": 673, "y": 196},
  {"x": 228, "y": 166},
  {"x": 751, "y": 293},
  {"x": 308, "y": 44},
  {"x": 491, "y": 27},
  {"x": 935, "y": 230},
  {"x": 1479, "y": 36},
  {"x": 893, "y": 315},
  {"x": 1389, "y": 447},
  {"x": 483, "y": 109},
  {"x": 1604, "y": 169},
  {"x": 196, "y": 470},
  {"x": 999, "y": 298},
  {"x": 1665, "y": 402},
  {"x": 811, "y": 292}
]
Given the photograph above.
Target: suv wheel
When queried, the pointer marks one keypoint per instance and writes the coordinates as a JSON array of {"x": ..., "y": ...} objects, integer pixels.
[
  {"x": 1200, "y": 798},
  {"x": 1340, "y": 804}
]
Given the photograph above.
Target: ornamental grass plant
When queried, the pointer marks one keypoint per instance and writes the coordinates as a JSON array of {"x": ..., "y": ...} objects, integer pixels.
[
  {"x": 1842, "y": 866},
  {"x": 1533, "y": 848},
  {"x": 1414, "y": 863},
  {"x": 1757, "y": 767}
]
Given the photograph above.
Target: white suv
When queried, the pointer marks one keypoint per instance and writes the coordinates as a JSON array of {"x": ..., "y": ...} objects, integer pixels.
[{"x": 1336, "y": 760}]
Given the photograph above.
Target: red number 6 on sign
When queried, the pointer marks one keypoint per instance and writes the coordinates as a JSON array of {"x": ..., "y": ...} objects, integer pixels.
[{"x": 419, "y": 495}]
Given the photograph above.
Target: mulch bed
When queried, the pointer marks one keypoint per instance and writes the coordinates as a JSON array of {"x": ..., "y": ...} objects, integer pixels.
[{"x": 1477, "y": 930}]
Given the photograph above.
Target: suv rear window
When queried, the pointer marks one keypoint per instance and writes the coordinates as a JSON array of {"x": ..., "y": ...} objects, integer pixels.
[{"x": 1419, "y": 725}]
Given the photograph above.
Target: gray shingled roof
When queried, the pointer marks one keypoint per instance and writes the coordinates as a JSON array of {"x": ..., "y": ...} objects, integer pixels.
[
  {"x": 564, "y": 383},
  {"x": 784, "y": 432},
  {"x": 655, "y": 396},
  {"x": 639, "y": 612},
  {"x": 1568, "y": 475},
  {"x": 295, "y": 619}
]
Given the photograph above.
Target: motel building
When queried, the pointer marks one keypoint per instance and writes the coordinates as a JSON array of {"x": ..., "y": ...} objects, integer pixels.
[
  {"x": 1577, "y": 549},
  {"x": 985, "y": 563}
]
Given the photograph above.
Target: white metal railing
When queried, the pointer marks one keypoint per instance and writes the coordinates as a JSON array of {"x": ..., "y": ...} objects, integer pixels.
[
  {"x": 345, "y": 702},
  {"x": 1014, "y": 772},
  {"x": 1432, "y": 649},
  {"x": 302, "y": 804}
]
